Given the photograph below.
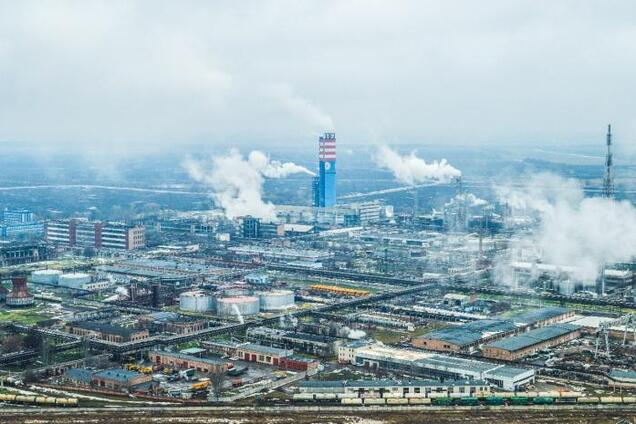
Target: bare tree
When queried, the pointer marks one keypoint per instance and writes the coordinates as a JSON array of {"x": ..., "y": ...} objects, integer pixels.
[
  {"x": 217, "y": 378},
  {"x": 12, "y": 344}
]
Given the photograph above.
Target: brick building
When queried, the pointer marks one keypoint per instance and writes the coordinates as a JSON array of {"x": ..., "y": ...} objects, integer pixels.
[
  {"x": 181, "y": 361},
  {"x": 524, "y": 344},
  {"x": 108, "y": 332}
]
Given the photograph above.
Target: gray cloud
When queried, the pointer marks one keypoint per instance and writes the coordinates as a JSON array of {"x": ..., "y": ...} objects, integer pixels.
[{"x": 150, "y": 73}]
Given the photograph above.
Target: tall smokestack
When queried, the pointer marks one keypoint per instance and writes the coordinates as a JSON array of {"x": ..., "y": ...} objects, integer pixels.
[
  {"x": 327, "y": 168},
  {"x": 608, "y": 181}
]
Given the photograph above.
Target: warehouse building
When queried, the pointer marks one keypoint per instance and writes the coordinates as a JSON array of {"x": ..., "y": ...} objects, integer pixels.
[
  {"x": 524, "y": 344},
  {"x": 542, "y": 316},
  {"x": 252, "y": 352},
  {"x": 413, "y": 362},
  {"x": 108, "y": 332},
  {"x": 182, "y": 361},
  {"x": 121, "y": 380},
  {"x": 465, "y": 337},
  {"x": 302, "y": 342}
]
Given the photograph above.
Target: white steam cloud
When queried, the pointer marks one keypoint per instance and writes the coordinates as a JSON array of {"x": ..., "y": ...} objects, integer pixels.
[
  {"x": 412, "y": 170},
  {"x": 237, "y": 182},
  {"x": 575, "y": 231},
  {"x": 469, "y": 198}
]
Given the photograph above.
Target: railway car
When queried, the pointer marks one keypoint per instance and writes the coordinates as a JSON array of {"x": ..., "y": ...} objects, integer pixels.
[
  {"x": 397, "y": 401},
  {"x": 611, "y": 399},
  {"x": 419, "y": 401},
  {"x": 303, "y": 396},
  {"x": 629, "y": 399},
  {"x": 588, "y": 399},
  {"x": 442, "y": 401},
  {"x": 467, "y": 401},
  {"x": 494, "y": 400},
  {"x": 347, "y": 395},
  {"x": 543, "y": 400},
  {"x": 374, "y": 401},
  {"x": 519, "y": 400},
  {"x": 351, "y": 401}
]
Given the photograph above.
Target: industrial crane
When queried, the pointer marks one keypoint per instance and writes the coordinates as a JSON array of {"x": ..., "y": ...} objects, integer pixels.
[{"x": 628, "y": 321}]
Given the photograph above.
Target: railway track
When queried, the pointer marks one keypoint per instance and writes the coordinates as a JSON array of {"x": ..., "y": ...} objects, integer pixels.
[{"x": 562, "y": 414}]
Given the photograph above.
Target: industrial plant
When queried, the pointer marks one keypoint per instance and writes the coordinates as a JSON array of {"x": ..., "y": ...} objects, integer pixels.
[{"x": 382, "y": 299}]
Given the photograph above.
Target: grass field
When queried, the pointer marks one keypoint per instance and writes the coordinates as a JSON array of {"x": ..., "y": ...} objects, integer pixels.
[
  {"x": 28, "y": 316},
  {"x": 393, "y": 336}
]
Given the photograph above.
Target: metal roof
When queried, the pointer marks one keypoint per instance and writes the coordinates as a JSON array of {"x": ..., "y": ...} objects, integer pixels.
[
  {"x": 623, "y": 375},
  {"x": 533, "y": 337},
  {"x": 471, "y": 332},
  {"x": 537, "y": 315},
  {"x": 118, "y": 374}
]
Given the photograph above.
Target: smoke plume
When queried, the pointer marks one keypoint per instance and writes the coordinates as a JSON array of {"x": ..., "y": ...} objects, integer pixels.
[
  {"x": 412, "y": 170},
  {"x": 237, "y": 182},
  {"x": 575, "y": 231},
  {"x": 469, "y": 198}
]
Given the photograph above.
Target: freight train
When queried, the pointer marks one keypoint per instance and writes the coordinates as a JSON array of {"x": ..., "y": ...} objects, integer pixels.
[
  {"x": 491, "y": 399},
  {"x": 38, "y": 400}
]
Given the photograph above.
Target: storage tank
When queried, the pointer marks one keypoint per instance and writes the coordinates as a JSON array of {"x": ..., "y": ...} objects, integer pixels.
[
  {"x": 238, "y": 306},
  {"x": 276, "y": 300},
  {"x": 196, "y": 301},
  {"x": 46, "y": 276},
  {"x": 74, "y": 280}
]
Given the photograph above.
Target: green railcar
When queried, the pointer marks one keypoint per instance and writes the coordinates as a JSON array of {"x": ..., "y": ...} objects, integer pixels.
[
  {"x": 495, "y": 400},
  {"x": 543, "y": 400},
  {"x": 468, "y": 401},
  {"x": 442, "y": 401},
  {"x": 519, "y": 400}
]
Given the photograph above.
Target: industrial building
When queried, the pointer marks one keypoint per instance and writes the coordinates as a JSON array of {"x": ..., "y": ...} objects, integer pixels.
[
  {"x": 182, "y": 361},
  {"x": 267, "y": 355},
  {"x": 18, "y": 253},
  {"x": 465, "y": 337},
  {"x": 117, "y": 379},
  {"x": 83, "y": 233},
  {"x": 281, "y": 254},
  {"x": 542, "y": 316},
  {"x": 20, "y": 223},
  {"x": 524, "y": 344},
  {"x": 412, "y": 362},
  {"x": 170, "y": 322},
  {"x": 108, "y": 332},
  {"x": 303, "y": 342}
]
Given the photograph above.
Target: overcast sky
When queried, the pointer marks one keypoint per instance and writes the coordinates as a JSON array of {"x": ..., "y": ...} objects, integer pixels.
[{"x": 98, "y": 74}]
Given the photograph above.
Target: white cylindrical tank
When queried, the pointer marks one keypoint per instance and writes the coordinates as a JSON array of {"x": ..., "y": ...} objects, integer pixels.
[
  {"x": 74, "y": 280},
  {"x": 196, "y": 302},
  {"x": 276, "y": 300},
  {"x": 46, "y": 276},
  {"x": 237, "y": 306}
]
